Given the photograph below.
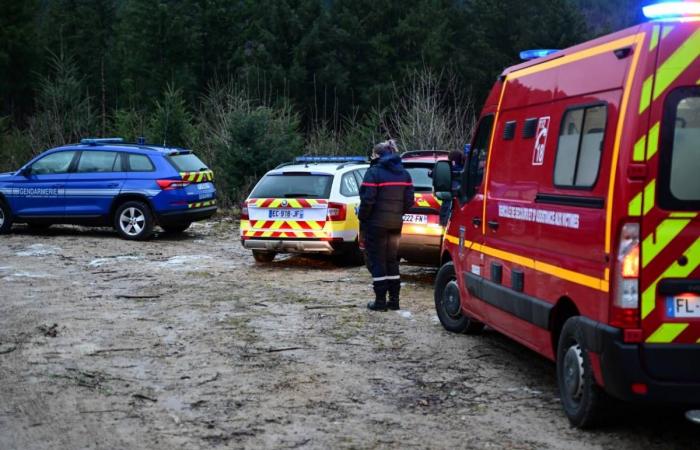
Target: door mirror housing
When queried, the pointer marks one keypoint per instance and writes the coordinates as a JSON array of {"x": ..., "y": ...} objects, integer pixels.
[
  {"x": 25, "y": 171},
  {"x": 442, "y": 177}
]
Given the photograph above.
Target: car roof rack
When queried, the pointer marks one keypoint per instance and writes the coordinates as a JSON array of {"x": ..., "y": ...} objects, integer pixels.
[
  {"x": 433, "y": 153},
  {"x": 102, "y": 141},
  {"x": 342, "y": 160}
]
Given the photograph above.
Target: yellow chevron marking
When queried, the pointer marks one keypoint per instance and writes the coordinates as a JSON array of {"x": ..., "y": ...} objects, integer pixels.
[
  {"x": 684, "y": 215},
  {"x": 639, "y": 147},
  {"x": 653, "y": 140},
  {"x": 294, "y": 225},
  {"x": 635, "y": 207},
  {"x": 314, "y": 225},
  {"x": 672, "y": 68},
  {"x": 674, "y": 271},
  {"x": 667, "y": 31},
  {"x": 312, "y": 202},
  {"x": 294, "y": 203},
  {"x": 667, "y": 333},
  {"x": 275, "y": 203},
  {"x": 649, "y": 196},
  {"x": 259, "y": 223},
  {"x": 654, "y": 41},
  {"x": 666, "y": 232},
  {"x": 277, "y": 224}
]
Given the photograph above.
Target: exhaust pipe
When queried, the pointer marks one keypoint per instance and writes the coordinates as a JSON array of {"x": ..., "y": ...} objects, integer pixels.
[{"x": 693, "y": 415}]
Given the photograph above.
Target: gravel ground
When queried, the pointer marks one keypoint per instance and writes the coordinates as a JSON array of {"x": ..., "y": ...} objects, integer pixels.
[{"x": 188, "y": 343}]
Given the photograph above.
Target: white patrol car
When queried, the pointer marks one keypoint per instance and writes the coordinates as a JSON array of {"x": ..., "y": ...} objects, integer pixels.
[{"x": 308, "y": 206}]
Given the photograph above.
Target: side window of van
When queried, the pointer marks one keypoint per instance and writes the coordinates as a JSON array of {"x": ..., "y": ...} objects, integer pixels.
[
  {"x": 580, "y": 147},
  {"x": 473, "y": 175},
  {"x": 679, "y": 154}
]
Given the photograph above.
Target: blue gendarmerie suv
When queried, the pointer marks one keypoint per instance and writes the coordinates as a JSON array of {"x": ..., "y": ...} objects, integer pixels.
[{"x": 106, "y": 182}]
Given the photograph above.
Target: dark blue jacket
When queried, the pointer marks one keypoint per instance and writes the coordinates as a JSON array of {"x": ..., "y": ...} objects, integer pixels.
[{"x": 386, "y": 194}]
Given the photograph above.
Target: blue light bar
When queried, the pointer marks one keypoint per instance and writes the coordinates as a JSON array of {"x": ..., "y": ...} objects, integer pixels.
[
  {"x": 527, "y": 55},
  {"x": 329, "y": 159},
  {"x": 101, "y": 141},
  {"x": 666, "y": 10}
]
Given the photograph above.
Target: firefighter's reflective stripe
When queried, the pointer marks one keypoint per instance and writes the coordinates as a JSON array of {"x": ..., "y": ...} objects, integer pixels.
[
  {"x": 675, "y": 270},
  {"x": 666, "y": 333},
  {"x": 670, "y": 70},
  {"x": 202, "y": 204},
  {"x": 197, "y": 177},
  {"x": 427, "y": 201}
]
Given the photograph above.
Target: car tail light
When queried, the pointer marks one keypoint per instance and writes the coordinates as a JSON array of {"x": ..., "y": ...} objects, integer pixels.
[
  {"x": 625, "y": 306},
  {"x": 170, "y": 185},
  {"x": 336, "y": 212},
  {"x": 244, "y": 211}
]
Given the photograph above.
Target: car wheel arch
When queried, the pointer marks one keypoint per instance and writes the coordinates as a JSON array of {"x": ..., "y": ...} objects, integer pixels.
[
  {"x": 564, "y": 309},
  {"x": 123, "y": 198}
]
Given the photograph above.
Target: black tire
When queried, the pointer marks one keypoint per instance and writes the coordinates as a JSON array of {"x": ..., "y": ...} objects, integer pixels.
[
  {"x": 176, "y": 228},
  {"x": 447, "y": 303},
  {"x": 5, "y": 218},
  {"x": 351, "y": 256},
  {"x": 134, "y": 221},
  {"x": 585, "y": 403},
  {"x": 263, "y": 256}
]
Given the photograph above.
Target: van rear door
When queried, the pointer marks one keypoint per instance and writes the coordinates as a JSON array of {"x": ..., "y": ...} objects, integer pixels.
[{"x": 670, "y": 227}]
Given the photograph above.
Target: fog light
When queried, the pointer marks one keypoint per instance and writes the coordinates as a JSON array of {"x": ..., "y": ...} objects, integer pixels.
[{"x": 640, "y": 388}]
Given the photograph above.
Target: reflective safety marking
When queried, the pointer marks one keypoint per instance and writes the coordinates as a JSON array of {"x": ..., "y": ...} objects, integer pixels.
[
  {"x": 667, "y": 333},
  {"x": 202, "y": 204},
  {"x": 653, "y": 146},
  {"x": 667, "y": 31},
  {"x": 649, "y": 195},
  {"x": 655, "y": 242},
  {"x": 674, "y": 271},
  {"x": 638, "y": 39},
  {"x": 672, "y": 68},
  {"x": 427, "y": 201},
  {"x": 197, "y": 177},
  {"x": 639, "y": 148},
  {"x": 549, "y": 269},
  {"x": 654, "y": 41},
  {"x": 635, "y": 207}
]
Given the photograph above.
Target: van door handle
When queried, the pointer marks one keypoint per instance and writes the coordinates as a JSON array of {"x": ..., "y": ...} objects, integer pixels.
[
  {"x": 493, "y": 225},
  {"x": 476, "y": 221}
]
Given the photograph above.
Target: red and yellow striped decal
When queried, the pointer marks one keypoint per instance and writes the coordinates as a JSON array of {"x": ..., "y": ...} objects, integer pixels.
[
  {"x": 427, "y": 201},
  {"x": 283, "y": 229},
  {"x": 197, "y": 177},
  {"x": 294, "y": 203},
  {"x": 202, "y": 204}
]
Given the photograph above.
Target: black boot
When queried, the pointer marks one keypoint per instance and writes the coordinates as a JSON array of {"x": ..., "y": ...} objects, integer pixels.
[
  {"x": 379, "y": 303},
  {"x": 394, "y": 289}
]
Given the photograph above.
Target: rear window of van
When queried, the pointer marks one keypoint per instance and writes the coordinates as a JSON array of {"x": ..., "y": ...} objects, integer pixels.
[
  {"x": 679, "y": 158},
  {"x": 293, "y": 185}
]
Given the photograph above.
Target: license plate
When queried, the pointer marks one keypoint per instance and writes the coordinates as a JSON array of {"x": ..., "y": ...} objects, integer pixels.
[
  {"x": 415, "y": 218},
  {"x": 286, "y": 214},
  {"x": 684, "y": 305},
  {"x": 205, "y": 186},
  {"x": 206, "y": 196}
]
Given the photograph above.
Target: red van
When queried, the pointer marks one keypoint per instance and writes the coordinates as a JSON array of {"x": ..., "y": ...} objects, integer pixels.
[{"x": 576, "y": 229}]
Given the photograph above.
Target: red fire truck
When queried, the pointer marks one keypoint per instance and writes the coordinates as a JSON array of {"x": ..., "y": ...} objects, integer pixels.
[{"x": 575, "y": 231}]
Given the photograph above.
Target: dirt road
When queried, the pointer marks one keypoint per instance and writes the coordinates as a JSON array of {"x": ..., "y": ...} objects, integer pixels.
[{"x": 187, "y": 343}]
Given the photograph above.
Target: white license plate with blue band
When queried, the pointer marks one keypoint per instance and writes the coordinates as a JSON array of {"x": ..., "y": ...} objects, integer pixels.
[
  {"x": 415, "y": 218},
  {"x": 683, "y": 306},
  {"x": 205, "y": 186},
  {"x": 286, "y": 214}
]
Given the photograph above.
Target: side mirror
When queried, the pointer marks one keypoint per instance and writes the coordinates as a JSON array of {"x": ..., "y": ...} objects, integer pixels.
[
  {"x": 442, "y": 177},
  {"x": 26, "y": 171}
]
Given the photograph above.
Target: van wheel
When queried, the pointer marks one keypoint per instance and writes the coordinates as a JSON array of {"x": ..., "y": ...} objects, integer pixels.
[
  {"x": 263, "y": 257},
  {"x": 583, "y": 400},
  {"x": 448, "y": 306},
  {"x": 134, "y": 221},
  {"x": 5, "y": 218}
]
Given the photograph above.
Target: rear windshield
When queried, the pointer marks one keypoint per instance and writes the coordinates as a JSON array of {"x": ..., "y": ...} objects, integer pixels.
[
  {"x": 421, "y": 181},
  {"x": 679, "y": 183},
  {"x": 293, "y": 185},
  {"x": 187, "y": 162}
]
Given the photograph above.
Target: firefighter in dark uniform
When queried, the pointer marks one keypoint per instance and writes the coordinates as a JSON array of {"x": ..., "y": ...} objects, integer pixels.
[{"x": 386, "y": 195}]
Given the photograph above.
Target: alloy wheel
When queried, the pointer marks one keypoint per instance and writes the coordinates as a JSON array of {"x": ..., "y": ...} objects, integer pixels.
[{"x": 132, "y": 221}]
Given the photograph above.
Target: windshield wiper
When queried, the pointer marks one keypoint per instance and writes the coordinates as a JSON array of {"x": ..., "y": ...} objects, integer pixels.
[{"x": 297, "y": 194}]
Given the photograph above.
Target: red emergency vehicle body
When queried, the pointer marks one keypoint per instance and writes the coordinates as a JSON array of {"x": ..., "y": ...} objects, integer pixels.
[{"x": 536, "y": 235}]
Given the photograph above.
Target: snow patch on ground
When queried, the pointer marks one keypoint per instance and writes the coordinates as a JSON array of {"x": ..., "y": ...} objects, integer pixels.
[
  {"x": 99, "y": 262},
  {"x": 190, "y": 261},
  {"x": 406, "y": 314},
  {"x": 34, "y": 275},
  {"x": 40, "y": 250}
]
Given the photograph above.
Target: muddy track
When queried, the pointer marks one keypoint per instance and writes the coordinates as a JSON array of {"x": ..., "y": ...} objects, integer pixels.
[{"x": 187, "y": 343}]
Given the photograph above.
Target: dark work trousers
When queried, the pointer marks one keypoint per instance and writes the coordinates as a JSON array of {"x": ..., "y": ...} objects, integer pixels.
[{"x": 382, "y": 247}]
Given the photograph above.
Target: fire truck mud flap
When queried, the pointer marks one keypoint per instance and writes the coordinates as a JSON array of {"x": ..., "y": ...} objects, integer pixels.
[{"x": 623, "y": 365}]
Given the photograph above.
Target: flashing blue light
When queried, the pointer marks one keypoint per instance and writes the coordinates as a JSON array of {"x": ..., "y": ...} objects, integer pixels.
[
  {"x": 527, "y": 55},
  {"x": 329, "y": 159},
  {"x": 666, "y": 10},
  {"x": 101, "y": 141}
]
